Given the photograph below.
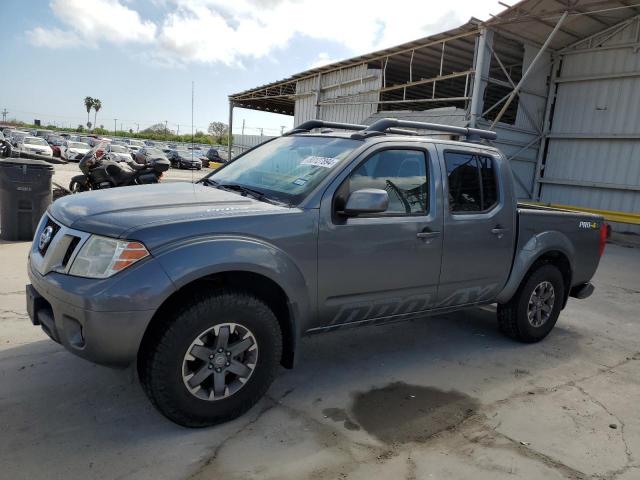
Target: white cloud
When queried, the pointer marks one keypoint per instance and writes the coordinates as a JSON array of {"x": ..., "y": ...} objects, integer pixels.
[
  {"x": 90, "y": 22},
  {"x": 321, "y": 60},
  {"x": 52, "y": 38},
  {"x": 234, "y": 31},
  {"x": 227, "y": 31}
]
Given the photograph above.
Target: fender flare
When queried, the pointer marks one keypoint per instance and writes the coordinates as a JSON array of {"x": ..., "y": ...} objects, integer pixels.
[
  {"x": 192, "y": 259},
  {"x": 536, "y": 247}
]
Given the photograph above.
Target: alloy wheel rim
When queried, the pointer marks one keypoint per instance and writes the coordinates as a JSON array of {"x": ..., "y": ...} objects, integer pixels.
[
  {"x": 541, "y": 304},
  {"x": 220, "y": 361}
]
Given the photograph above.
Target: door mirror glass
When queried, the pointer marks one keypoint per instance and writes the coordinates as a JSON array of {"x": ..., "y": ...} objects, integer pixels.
[{"x": 365, "y": 201}]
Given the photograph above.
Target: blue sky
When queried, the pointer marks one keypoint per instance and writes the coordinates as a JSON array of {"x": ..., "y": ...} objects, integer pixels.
[{"x": 140, "y": 56}]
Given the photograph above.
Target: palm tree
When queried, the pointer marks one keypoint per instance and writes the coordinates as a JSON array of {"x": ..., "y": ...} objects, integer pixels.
[
  {"x": 97, "y": 105},
  {"x": 88, "y": 104}
]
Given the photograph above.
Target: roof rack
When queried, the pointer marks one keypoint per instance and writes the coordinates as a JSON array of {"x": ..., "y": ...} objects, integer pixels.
[{"x": 389, "y": 125}]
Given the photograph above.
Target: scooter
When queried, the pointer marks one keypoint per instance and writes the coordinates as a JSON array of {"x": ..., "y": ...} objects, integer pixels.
[{"x": 99, "y": 171}]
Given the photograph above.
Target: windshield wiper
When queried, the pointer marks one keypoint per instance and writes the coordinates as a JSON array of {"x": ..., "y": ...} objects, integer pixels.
[{"x": 246, "y": 191}]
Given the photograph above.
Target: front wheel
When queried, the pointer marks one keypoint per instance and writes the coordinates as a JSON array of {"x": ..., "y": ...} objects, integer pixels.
[
  {"x": 78, "y": 184},
  {"x": 533, "y": 311},
  {"x": 213, "y": 359}
]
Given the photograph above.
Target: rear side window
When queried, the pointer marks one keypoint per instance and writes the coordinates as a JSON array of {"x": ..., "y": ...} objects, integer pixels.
[
  {"x": 402, "y": 173},
  {"x": 472, "y": 182}
]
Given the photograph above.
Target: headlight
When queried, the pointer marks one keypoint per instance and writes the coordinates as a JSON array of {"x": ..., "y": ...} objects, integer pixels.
[{"x": 102, "y": 257}]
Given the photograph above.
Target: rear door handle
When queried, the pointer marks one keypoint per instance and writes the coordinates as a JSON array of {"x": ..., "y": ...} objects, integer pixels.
[{"x": 425, "y": 235}]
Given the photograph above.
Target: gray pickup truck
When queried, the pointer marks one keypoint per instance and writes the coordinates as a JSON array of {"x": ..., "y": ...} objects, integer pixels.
[{"x": 208, "y": 287}]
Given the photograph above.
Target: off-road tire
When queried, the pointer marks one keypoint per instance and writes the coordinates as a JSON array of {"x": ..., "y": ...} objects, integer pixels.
[
  {"x": 161, "y": 357},
  {"x": 512, "y": 316}
]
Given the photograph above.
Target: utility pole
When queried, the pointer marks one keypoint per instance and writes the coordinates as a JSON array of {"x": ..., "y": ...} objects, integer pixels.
[
  {"x": 137, "y": 127},
  {"x": 115, "y": 126},
  {"x": 178, "y": 131},
  {"x": 243, "y": 126},
  {"x": 4, "y": 115},
  {"x": 261, "y": 132},
  {"x": 165, "y": 127}
]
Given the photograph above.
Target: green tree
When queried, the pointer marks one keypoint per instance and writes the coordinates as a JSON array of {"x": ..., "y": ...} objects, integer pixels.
[
  {"x": 97, "y": 105},
  {"x": 217, "y": 129},
  {"x": 88, "y": 105}
]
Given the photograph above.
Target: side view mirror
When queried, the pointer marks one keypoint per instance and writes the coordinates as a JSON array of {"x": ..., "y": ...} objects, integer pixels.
[{"x": 366, "y": 200}]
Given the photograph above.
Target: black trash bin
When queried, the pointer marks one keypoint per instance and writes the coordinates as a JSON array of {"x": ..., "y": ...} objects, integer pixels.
[{"x": 25, "y": 194}]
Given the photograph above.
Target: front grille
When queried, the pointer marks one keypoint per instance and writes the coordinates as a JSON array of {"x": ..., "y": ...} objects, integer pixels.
[
  {"x": 57, "y": 254},
  {"x": 42, "y": 248}
]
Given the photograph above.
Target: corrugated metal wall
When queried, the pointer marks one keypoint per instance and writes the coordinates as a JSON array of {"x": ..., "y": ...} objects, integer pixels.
[
  {"x": 349, "y": 81},
  {"x": 520, "y": 142},
  {"x": 597, "y": 171},
  {"x": 249, "y": 141}
]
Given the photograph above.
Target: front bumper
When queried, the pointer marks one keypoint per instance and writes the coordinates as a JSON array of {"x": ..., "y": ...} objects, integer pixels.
[
  {"x": 101, "y": 320},
  {"x": 106, "y": 338}
]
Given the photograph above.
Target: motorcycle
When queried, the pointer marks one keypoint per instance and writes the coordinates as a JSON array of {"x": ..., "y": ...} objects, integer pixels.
[{"x": 99, "y": 171}]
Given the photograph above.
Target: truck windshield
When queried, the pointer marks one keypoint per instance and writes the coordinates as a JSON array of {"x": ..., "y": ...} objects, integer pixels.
[{"x": 287, "y": 168}]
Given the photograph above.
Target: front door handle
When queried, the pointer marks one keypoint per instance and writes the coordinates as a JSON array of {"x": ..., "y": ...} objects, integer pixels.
[
  {"x": 426, "y": 235},
  {"x": 498, "y": 231}
]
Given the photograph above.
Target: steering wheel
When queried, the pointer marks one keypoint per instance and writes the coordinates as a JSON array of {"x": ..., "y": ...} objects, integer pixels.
[{"x": 401, "y": 196}]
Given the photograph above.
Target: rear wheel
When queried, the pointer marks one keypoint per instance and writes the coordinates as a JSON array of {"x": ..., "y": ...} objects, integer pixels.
[
  {"x": 213, "y": 360},
  {"x": 533, "y": 311}
]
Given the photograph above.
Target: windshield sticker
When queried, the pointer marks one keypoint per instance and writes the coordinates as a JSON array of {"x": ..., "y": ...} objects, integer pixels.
[
  {"x": 300, "y": 181},
  {"x": 326, "y": 162}
]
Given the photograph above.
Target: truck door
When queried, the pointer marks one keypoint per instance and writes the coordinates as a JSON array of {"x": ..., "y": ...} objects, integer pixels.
[
  {"x": 387, "y": 264},
  {"x": 479, "y": 226}
]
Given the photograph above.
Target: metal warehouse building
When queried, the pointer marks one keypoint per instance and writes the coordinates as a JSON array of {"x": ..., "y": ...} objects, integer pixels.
[{"x": 558, "y": 80}]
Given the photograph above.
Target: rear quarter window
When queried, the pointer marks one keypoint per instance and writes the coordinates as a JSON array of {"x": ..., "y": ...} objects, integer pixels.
[{"x": 472, "y": 182}]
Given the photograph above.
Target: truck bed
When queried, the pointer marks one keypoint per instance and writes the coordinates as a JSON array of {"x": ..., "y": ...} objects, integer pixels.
[{"x": 579, "y": 232}]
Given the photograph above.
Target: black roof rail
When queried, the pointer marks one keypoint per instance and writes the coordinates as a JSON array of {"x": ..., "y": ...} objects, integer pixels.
[
  {"x": 472, "y": 134},
  {"x": 389, "y": 125},
  {"x": 311, "y": 124}
]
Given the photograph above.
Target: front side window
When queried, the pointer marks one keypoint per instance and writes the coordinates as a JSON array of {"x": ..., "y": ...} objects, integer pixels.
[
  {"x": 402, "y": 173},
  {"x": 472, "y": 182}
]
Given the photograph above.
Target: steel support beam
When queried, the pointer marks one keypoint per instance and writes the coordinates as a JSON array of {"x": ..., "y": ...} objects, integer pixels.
[
  {"x": 481, "y": 67},
  {"x": 318, "y": 90},
  {"x": 551, "y": 97},
  {"x": 587, "y": 184},
  {"x": 230, "y": 134},
  {"x": 544, "y": 47}
]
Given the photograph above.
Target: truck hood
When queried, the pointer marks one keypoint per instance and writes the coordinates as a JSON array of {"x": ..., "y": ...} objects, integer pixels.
[{"x": 115, "y": 212}]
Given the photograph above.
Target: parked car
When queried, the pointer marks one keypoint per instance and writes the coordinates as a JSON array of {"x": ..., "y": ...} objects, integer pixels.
[
  {"x": 184, "y": 159},
  {"x": 42, "y": 133},
  {"x": 55, "y": 142},
  {"x": 95, "y": 140},
  {"x": 146, "y": 154},
  {"x": 37, "y": 145},
  {"x": 119, "y": 153},
  {"x": 135, "y": 145},
  {"x": 74, "y": 151},
  {"x": 17, "y": 136},
  {"x": 208, "y": 287}
]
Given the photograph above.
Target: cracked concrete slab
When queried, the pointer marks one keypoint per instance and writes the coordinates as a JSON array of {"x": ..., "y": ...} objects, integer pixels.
[{"x": 537, "y": 411}]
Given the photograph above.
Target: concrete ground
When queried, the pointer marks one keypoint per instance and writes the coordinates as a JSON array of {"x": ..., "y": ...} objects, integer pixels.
[{"x": 439, "y": 398}]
